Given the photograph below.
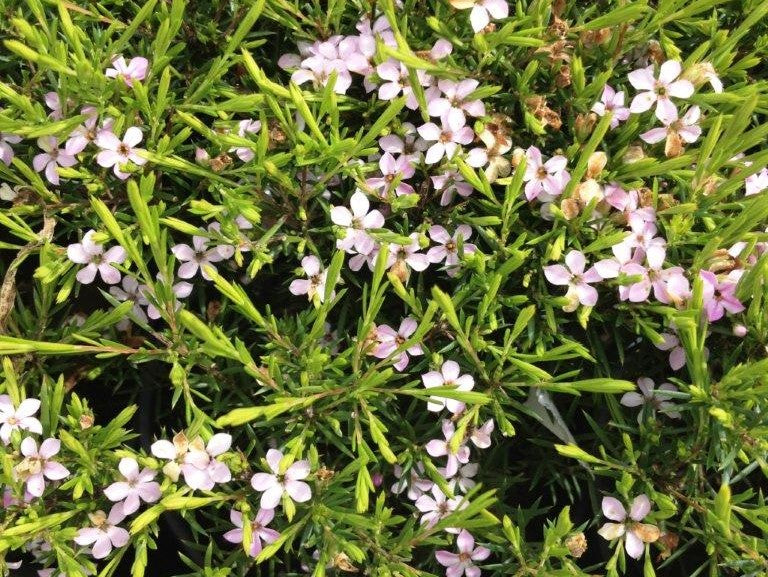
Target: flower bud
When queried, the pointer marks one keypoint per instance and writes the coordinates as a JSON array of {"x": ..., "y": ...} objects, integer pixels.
[
  {"x": 202, "y": 157},
  {"x": 584, "y": 124},
  {"x": 596, "y": 164},
  {"x": 570, "y": 208},
  {"x": 517, "y": 156},
  {"x": 740, "y": 331},
  {"x": 633, "y": 154}
]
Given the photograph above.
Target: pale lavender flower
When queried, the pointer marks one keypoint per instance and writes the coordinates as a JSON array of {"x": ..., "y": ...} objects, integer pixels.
[
  {"x": 658, "y": 91},
  {"x": 448, "y": 246},
  {"x": 719, "y": 296},
  {"x": 575, "y": 278},
  {"x": 463, "y": 480},
  {"x": 655, "y": 399},
  {"x": 246, "y": 127},
  {"x": 462, "y": 563},
  {"x": 448, "y": 376},
  {"x": 105, "y": 533},
  {"x": 131, "y": 291},
  {"x": 415, "y": 480},
  {"x": 51, "y": 158},
  {"x": 19, "y": 418},
  {"x": 53, "y": 102},
  {"x": 131, "y": 71},
  {"x": 180, "y": 290},
  {"x": 314, "y": 285},
  {"x": 397, "y": 80},
  {"x": 446, "y": 138},
  {"x": 390, "y": 340},
  {"x": 196, "y": 257},
  {"x": 279, "y": 483},
  {"x": 676, "y": 352},
  {"x": 259, "y": 530},
  {"x": 442, "y": 448},
  {"x": 94, "y": 258},
  {"x": 356, "y": 221},
  {"x": 39, "y": 465},
  {"x": 436, "y": 507},
  {"x": 544, "y": 179},
  {"x": 6, "y": 152},
  {"x": 137, "y": 486},
  {"x": 409, "y": 144},
  {"x": 753, "y": 184},
  {"x": 401, "y": 258},
  {"x": 450, "y": 183},
  {"x": 455, "y": 102},
  {"x": 685, "y": 127},
  {"x": 481, "y": 436},
  {"x": 84, "y": 134},
  {"x": 635, "y": 532},
  {"x": 200, "y": 467},
  {"x": 393, "y": 170},
  {"x": 482, "y": 13},
  {"x": 116, "y": 153},
  {"x": 612, "y": 101},
  {"x": 318, "y": 70}
]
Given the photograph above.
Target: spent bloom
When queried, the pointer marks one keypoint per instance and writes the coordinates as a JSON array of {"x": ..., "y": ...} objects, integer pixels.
[
  {"x": 659, "y": 90},
  {"x": 612, "y": 101},
  {"x": 259, "y": 530},
  {"x": 95, "y": 259},
  {"x": 133, "y": 70},
  {"x": 448, "y": 376},
  {"x": 38, "y": 464},
  {"x": 462, "y": 563},
  {"x": 575, "y": 278},
  {"x": 282, "y": 482},
  {"x": 137, "y": 486},
  {"x": 105, "y": 533},
  {"x": 629, "y": 526},
  {"x": 653, "y": 398},
  {"x": 51, "y": 158},
  {"x": 314, "y": 285},
  {"x": 116, "y": 153},
  {"x": 18, "y": 418}
]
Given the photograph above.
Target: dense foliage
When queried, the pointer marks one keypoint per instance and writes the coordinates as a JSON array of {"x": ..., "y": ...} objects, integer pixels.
[{"x": 389, "y": 287}]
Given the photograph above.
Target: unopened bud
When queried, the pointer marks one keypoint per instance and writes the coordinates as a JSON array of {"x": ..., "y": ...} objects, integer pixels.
[
  {"x": 633, "y": 154},
  {"x": 740, "y": 331},
  {"x": 584, "y": 124},
  {"x": 517, "y": 156},
  {"x": 570, "y": 208},
  {"x": 202, "y": 157},
  {"x": 596, "y": 164}
]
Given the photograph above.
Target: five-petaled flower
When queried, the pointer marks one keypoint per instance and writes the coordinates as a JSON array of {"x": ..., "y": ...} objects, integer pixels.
[
  {"x": 448, "y": 376},
  {"x": 658, "y": 91},
  {"x": 94, "y": 258},
  {"x": 131, "y": 71},
  {"x": 575, "y": 278},
  {"x": 116, "y": 153},
  {"x": 635, "y": 532},
  {"x": 38, "y": 465},
  {"x": 137, "y": 486},
  {"x": 259, "y": 530},
  {"x": 656, "y": 400},
  {"x": 18, "y": 418},
  {"x": 314, "y": 285},
  {"x": 282, "y": 482},
  {"x": 462, "y": 563},
  {"x": 51, "y": 158},
  {"x": 105, "y": 533}
]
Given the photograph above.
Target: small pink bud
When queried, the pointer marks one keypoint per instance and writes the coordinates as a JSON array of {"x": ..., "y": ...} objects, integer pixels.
[
  {"x": 377, "y": 479},
  {"x": 740, "y": 331}
]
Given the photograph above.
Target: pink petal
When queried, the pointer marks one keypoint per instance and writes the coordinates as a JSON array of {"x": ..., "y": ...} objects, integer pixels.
[
  {"x": 642, "y": 79},
  {"x": 613, "y": 509},
  {"x": 299, "y": 491},
  {"x": 669, "y": 71},
  {"x": 557, "y": 274},
  {"x": 640, "y": 507},
  {"x": 633, "y": 545},
  {"x": 575, "y": 261}
]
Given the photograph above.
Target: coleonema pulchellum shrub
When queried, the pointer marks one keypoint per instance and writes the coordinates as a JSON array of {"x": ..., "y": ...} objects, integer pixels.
[{"x": 394, "y": 288}]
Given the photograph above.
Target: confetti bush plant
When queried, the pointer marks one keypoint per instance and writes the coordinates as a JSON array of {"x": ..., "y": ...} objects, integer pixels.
[{"x": 394, "y": 287}]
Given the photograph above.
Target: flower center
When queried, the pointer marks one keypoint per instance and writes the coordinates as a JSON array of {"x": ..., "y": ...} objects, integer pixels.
[
  {"x": 450, "y": 246},
  {"x": 12, "y": 421},
  {"x": 446, "y": 136},
  {"x": 541, "y": 173},
  {"x": 464, "y": 557},
  {"x": 123, "y": 150}
]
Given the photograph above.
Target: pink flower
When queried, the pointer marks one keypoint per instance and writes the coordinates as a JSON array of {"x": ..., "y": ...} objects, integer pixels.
[
  {"x": 612, "y": 101},
  {"x": 437, "y": 507},
  {"x": 279, "y": 483},
  {"x": 259, "y": 530},
  {"x": 462, "y": 563},
  {"x": 409, "y": 144},
  {"x": 652, "y": 398},
  {"x": 52, "y": 157},
  {"x": 393, "y": 172},
  {"x": 574, "y": 277},
  {"x": 39, "y": 465},
  {"x": 677, "y": 353},
  {"x": 131, "y": 291},
  {"x": 449, "y": 184},
  {"x": 414, "y": 480},
  {"x": 84, "y": 134},
  {"x": 138, "y": 486},
  {"x": 685, "y": 127},
  {"x": 442, "y": 448},
  {"x": 402, "y": 257},
  {"x": 96, "y": 260},
  {"x": 356, "y": 222},
  {"x": 753, "y": 184},
  {"x": 448, "y": 376},
  {"x": 53, "y": 102},
  {"x": 463, "y": 480},
  {"x": 196, "y": 257},
  {"x": 105, "y": 534},
  {"x": 200, "y": 467},
  {"x": 391, "y": 340},
  {"x": 314, "y": 285},
  {"x": 246, "y": 127},
  {"x": 116, "y": 153},
  {"x": 545, "y": 179},
  {"x": 455, "y": 102},
  {"x": 180, "y": 290},
  {"x": 18, "y": 419},
  {"x": 324, "y": 60},
  {"x": 480, "y": 17},
  {"x": 719, "y": 297},
  {"x": 659, "y": 90},
  {"x": 446, "y": 138},
  {"x": 636, "y": 533},
  {"x": 133, "y": 70},
  {"x": 396, "y": 80},
  {"x": 449, "y": 246},
  {"x": 481, "y": 436},
  {"x": 6, "y": 152},
  {"x": 643, "y": 235}
]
